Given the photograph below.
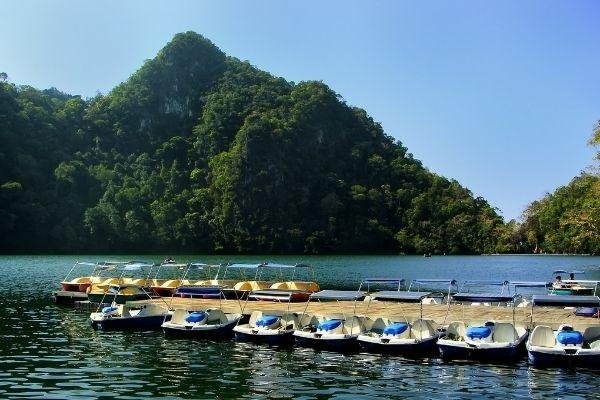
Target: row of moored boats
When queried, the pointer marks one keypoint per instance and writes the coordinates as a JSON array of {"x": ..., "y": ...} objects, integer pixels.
[{"x": 383, "y": 327}]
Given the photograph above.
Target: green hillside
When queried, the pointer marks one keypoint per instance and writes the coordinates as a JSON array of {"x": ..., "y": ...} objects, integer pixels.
[{"x": 201, "y": 152}]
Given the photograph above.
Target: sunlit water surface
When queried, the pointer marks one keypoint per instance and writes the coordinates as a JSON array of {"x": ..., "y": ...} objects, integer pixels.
[{"x": 48, "y": 351}]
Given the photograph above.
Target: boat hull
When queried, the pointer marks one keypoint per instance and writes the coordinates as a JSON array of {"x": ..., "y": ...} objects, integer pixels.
[
  {"x": 541, "y": 358},
  {"x": 131, "y": 323},
  {"x": 162, "y": 291},
  {"x": 270, "y": 337},
  {"x": 216, "y": 332},
  {"x": 68, "y": 298},
  {"x": 287, "y": 296},
  {"x": 337, "y": 343},
  {"x": 198, "y": 292},
  {"x": 417, "y": 348},
  {"x": 462, "y": 351}
]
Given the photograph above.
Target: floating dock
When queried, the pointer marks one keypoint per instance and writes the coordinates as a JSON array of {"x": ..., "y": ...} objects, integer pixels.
[
  {"x": 442, "y": 314},
  {"x": 68, "y": 298}
]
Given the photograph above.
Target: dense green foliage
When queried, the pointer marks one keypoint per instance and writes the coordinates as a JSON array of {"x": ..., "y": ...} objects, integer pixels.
[
  {"x": 201, "y": 152},
  {"x": 567, "y": 220}
]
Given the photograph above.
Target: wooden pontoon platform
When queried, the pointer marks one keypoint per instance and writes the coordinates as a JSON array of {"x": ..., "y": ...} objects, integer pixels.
[{"x": 551, "y": 316}]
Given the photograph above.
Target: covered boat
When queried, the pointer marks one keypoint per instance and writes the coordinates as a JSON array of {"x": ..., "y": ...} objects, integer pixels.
[
  {"x": 119, "y": 293},
  {"x": 124, "y": 288},
  {"x": 201, "y": 323},
  {"x": 268, "y": 327},
  {"x": 129, "y": 316},
  {"x": 572, "y": 286},
  {"x": 191, "y": 287},
  {"x": 334, "y": 331},
  {"x": 173, "y": 271},
  {"x": 248, "y": 281},
  {"x": 397, "y": 335},
  {"x": 193, "y": 322},
  {"x": 526, "y": 290},
  {"x": 566, "y": 346},
  {"x": 75, "y": 281},
  {"x": 288, "y": 289},
  {"x": 81, "y": 276},
  {"x": 492, "y": 341}
]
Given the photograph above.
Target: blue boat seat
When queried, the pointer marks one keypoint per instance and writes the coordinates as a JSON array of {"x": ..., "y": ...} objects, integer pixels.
[
  {"x": 329, "y": 325},
  {"x": 397, "y": 328},
  {"x": 267, "y": 320},
  {"x": 569, "y": 337},
  {"x": 478, "y": 332},
  {"x": 196, "y": 316},
  {"x": 109, "y": 310}
]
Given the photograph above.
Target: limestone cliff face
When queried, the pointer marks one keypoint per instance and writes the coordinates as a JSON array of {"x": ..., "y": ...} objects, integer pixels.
[{"x": 164, "y": 97}]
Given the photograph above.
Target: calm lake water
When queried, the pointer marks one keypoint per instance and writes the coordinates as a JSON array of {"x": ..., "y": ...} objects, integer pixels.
[{"x": 48, "y": 351}]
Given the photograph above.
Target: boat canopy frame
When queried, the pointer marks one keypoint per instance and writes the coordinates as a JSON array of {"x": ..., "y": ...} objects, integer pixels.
[
  {"x": 553, "y": 300},
  {"x": 398, "y": 282}
]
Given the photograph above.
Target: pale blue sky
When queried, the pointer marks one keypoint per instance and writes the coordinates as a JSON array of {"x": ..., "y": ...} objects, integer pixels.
[{"x": 501, "y": 96}]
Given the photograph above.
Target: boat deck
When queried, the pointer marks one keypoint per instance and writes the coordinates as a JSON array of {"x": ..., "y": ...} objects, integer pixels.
[
  {"x": 68, "y": 298},
  {"x": 551, "y": 316}
]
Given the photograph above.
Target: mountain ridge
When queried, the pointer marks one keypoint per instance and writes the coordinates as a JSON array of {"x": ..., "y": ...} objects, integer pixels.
[{"x": 198, "y": 151}]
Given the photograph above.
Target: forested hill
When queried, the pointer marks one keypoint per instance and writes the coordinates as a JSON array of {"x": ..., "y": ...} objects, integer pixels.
[
  {"x": 567, "y": 220},
  {"x": 198, "y": 151}
]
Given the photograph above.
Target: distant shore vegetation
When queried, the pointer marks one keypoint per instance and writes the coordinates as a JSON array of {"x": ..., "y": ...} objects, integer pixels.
[{"x": 201, "y": 152}]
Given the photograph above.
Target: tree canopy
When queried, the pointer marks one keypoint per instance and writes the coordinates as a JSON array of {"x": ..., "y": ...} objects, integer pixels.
[{"x": 198, "y": 151}]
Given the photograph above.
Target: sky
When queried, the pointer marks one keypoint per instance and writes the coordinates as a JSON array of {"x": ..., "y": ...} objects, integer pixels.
[{"x": 500, "y": 95}]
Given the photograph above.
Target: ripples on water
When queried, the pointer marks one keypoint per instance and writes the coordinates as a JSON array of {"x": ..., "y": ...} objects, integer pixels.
[{"x": 51, "y": 352}]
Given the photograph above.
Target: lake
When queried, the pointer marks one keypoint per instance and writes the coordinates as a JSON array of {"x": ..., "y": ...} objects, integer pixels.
[{"x": 47, "y": 351}]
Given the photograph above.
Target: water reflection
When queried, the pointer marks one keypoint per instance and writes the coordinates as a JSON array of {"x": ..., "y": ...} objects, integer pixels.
[{"x": 51, "y": 352}]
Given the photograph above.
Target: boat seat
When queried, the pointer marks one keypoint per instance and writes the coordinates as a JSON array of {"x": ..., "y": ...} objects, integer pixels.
[
  {"x": 398, "y": 330},
  {"x": 353, "y": 326},
  {"x": 591, "y": 334},
  {"x": 217, "y": 316},
  {"x": 268, "y": 321},
  {"x": 290, "y": 320},
  {"x": 542, "y": 336},
  {"x": 296, "y": 285},
  {"x": 124, "y": 311},
  {"x": 310, "y": 320},
  {"x": 252, "y": 285},
  {"x": 456, "y": 330},
  {"x": 253, "y": 318},
  {"x": 504, "y": 332},
  {"x": 179, "y": 316},
  {"x": 421, "y": 329},
  {"x": 280, "y": 286},
  {"x": 379, "y": 325},
  {"x": 152, "y": 309},
  {"x": 171, "y": 283},
  {"x": 595, "y": 345},
  {"x": 81, "y": 279},
  {"x": 109, "y": 281}
]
